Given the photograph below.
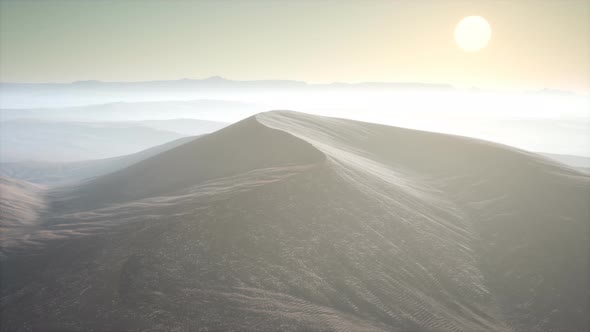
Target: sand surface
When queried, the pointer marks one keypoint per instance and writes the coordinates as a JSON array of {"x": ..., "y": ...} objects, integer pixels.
[{"x": 287, "y": 221}]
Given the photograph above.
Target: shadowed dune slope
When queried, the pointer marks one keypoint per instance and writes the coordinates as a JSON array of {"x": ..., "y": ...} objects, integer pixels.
[
  {"x": 287, "y": 221},
  {"x": 242, "y": 147}
]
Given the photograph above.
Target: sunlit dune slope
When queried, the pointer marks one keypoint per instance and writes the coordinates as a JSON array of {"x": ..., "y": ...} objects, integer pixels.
[
  {"x": 20, "y": 203},
  {"x": 287, "y": 221}
]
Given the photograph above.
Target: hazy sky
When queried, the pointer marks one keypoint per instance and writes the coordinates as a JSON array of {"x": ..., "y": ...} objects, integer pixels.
[{"x": 535, "y": 43}]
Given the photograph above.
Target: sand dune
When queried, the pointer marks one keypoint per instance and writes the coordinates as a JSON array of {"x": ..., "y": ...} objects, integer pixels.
[
  {"x": 25, "y": 140},
  {"x": 577, "y": 162},
  {"x": 53, "y": 141},
  {"x": 287, "y": 221},
  {"x": 156, "y": 111},
  {"x": 63, "y": 173}
]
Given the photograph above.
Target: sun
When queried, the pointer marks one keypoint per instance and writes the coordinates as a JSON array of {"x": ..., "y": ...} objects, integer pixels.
[{"x": 473, "y": 33}]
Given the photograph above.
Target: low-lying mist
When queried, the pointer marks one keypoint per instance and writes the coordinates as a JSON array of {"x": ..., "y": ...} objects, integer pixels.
[{"x": 542, "y": 121}]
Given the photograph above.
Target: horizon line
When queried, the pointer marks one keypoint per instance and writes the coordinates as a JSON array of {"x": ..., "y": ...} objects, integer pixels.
[{"x": 219, "y": 78}]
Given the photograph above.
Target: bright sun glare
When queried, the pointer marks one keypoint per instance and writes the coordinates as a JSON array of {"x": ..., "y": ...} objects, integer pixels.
[{"x": 473, "y": 33}]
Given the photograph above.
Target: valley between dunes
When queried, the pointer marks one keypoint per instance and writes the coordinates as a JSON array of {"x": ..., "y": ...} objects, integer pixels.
[{"x": 295, "y": 222}]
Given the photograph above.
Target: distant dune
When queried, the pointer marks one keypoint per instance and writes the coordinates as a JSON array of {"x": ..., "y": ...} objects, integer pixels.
[
  {"x": 287, "y": 221},
  {"x": 189, "y": 127},
  {"x": 62, "y": 173},
  {"x": 578, "y": 162},
  {"x": 204, "y": 109},
  {"x": 67, "y": 141}
]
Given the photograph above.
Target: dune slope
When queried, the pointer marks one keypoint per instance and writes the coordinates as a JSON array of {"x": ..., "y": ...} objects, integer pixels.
[
  {"x": 21, "y": 202},
  {"x": 287, "y": 221}
]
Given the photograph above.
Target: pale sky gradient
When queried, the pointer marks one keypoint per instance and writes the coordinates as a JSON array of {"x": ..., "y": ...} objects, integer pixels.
[{"x": 535, "y": 43}]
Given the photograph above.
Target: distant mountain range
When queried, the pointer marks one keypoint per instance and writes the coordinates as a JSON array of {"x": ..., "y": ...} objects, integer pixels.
[
  {"x": 217, "y": 82},
  {"x": 34, "y": 95},
  {"x": 220, "y": 82}
]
